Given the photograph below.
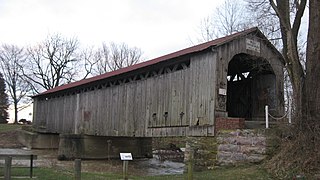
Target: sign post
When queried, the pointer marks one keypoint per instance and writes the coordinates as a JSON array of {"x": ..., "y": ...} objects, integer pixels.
[
  {"x": 267, "y": 116},
  {"x": 125, "y": 157}
]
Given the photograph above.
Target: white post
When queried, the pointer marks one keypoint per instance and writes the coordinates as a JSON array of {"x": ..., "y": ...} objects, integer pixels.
[
  {"x": 267, "y": 117},
  {"x": 289, "y": 113}
]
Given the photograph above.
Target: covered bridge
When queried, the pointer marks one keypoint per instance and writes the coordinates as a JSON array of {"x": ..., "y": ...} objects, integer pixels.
[{"x": 179, "y": 94}]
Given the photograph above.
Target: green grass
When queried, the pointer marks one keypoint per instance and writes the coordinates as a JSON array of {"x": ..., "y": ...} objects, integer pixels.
[
  {"x": 9, "y": 127},
  {"x": 230, "y": 173},
  {"x": 236, "y": 173}
]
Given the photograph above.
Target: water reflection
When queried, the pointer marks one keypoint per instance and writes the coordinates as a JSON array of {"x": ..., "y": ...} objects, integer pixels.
[{"x": 156, "y": 167}]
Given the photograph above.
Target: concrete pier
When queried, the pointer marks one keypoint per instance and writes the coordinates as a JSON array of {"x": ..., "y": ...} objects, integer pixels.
[
  {"x": 35, "y": 140},
  {"x": 74, "y": 146}
]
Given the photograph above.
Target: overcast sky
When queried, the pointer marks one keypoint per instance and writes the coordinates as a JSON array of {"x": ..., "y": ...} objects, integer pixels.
[{"x": 157, "y": 27}]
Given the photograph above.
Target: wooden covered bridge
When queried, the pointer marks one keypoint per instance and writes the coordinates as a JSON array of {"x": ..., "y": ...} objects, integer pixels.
[{"x": 179, "y": 94}]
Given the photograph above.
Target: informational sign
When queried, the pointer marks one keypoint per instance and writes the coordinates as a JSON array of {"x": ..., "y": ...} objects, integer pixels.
[
  {"x": 222, "y": 91},
  {"x": 253, "y": 45},
  {"x": 126, "y": 156}
]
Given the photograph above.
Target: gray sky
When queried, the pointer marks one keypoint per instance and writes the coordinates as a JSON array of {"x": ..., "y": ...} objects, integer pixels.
[{"x": 157, "y": 27}]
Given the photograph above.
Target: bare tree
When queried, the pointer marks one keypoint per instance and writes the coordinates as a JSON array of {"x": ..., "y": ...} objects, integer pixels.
[
  {"x": 12, "y": 59},
  {"x": 289, "y": 27},
  {"x": 263, "y": 16},
  {"x": 58, "y": 60},
  {"x": 228, "y": 18},
  {"x": 90, "y": 57},
  {"x": 311, "y": 88},
  {"x": 303, "y": 72},
  {"x": 52, "y": 63},
  {"x": 115, "y": 56}
]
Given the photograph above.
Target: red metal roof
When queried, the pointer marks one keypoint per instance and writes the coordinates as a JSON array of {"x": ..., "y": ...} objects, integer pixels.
[{"x": 193, "y": 49}]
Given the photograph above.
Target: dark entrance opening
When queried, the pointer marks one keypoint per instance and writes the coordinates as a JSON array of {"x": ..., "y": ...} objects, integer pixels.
[{"x": 251, "y": 86}]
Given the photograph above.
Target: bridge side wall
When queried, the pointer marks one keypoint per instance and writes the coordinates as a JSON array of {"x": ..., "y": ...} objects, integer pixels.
[
  {"x": 178, "y": 97},
  {"x": 173, "y": 100}
]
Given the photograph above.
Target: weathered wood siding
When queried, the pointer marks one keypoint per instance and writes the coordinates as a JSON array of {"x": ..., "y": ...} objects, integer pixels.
[
  {"x": 163, "y": 105},
  {"x": 227, "y": 51},
  {"x": 167, "y": 102}
]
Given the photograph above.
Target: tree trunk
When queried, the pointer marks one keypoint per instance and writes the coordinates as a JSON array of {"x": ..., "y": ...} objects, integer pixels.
[
  {"x": 290, "y": 50},
  {"x": 15, "y": 113},
  {"x": 296, "y": 74},
  {"x": 305, "y": 142},
  {"x": 311, "y": 98}
]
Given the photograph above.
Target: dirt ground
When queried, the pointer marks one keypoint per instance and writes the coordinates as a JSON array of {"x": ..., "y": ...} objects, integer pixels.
[{"x": 9, "y": 139}]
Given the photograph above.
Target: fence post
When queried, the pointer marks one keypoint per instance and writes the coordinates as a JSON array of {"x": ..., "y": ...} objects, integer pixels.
[
  {"x": 267, "y": 116},
  {"x": 77, "y": 169},
  {"x": 7, "y": 168},
  {"x": 190, "y": 164},
  {"x": 189, "y": 157},
  {"x": 31, "y": 165},
  {"x": 125, "y": 170}
]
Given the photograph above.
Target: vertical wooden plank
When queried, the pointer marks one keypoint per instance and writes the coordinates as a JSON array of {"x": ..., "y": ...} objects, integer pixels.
[
  {"x": 122, "y": 105},
  {"x": 187, "y": 96},
  {"x": 131, "y": 104},
  {"x": 127, "y": 106},
  {"x": 148, "y": 119},
  {"x": 7, "y": 168},
  {"x": 77, "y": 115},
  {"x": 160, "y": 100},
  {"x": 116, "y": 109},
  {"x": 212, "y": 94},
  {"x": 108, "y": 123},
  {"x": 142, "y": 110}
]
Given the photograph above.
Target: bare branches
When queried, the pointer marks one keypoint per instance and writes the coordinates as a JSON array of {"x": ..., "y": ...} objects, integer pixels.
[
  {"x": 90, "y": 59},
  {"x": 58, "y": 60},
  {"x": 52, "y": 62},
  {"x": 228, "y": 18},
  {"x": 12, "y": 60},
  {"x": 263, "y": 16},
  {"x": 115, "y": 56},
  {"x": 300, "y": 7}
]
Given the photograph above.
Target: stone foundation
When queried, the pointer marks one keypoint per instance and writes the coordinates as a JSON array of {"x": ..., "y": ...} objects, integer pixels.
[
  {"x": 229, "y": 147},
  {"x": 201, "y": 151},
  {"x": 73, "y": 146},
  {"x": 34, "y": 140},
  {"x": 241, "y": 146}
]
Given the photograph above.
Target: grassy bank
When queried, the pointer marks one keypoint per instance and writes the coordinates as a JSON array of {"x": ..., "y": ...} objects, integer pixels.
[
  {"x": 9, "y": 127},
  {"x": 236, "y": 173}
]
